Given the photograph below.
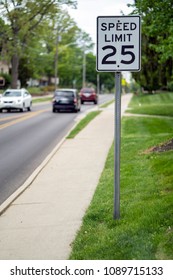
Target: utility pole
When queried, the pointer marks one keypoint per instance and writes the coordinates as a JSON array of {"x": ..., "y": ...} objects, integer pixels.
[
  {"x": 84, "y": 69},
  {"x": 98, "y": 84},
  {"x": 58, "y": 39}
]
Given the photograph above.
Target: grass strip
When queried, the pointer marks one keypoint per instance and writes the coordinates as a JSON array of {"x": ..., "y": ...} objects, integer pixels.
[
  {"x": 43, "y": 99},
  {"x": 83, "y": 123},
  {"x": 145, "y": 229},
  {"x": 156, "y": 104},
  {"x": 105, "y": 105}
]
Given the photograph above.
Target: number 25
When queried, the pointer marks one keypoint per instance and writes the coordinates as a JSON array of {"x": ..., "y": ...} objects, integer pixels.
[{"x": 124, "y": 51}]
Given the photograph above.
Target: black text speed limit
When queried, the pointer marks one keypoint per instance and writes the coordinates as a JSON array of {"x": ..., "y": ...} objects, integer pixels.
[{"x": 110, "y": 58}]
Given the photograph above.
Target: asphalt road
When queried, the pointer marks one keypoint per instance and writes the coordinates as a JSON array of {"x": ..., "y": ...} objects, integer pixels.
[{"x": 27, "y": 138}]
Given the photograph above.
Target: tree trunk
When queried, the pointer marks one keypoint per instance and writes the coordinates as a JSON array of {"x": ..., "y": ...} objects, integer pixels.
[{"x": 14, "y": 70}]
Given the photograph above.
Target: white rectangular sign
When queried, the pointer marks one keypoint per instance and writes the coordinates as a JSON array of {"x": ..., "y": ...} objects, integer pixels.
[{"x": 118, "y": 43}]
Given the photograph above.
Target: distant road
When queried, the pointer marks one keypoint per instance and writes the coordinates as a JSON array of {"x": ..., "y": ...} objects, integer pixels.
[{"x": 27, "y": 138}]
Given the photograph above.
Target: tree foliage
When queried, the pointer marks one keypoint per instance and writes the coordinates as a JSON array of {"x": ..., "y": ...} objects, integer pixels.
[
  {"x": 23, "y": 19},
  {"x": 157, "y": 43},
  {"x": 38, "y": 35}
]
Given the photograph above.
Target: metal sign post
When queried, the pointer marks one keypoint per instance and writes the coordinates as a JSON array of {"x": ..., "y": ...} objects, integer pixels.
[
  {"x": 118, "y": 49},
  {"x": 117, "y": 144}
]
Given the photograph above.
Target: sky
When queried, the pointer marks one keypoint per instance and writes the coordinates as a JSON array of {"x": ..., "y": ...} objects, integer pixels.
[{"x": 88, "y": 10}]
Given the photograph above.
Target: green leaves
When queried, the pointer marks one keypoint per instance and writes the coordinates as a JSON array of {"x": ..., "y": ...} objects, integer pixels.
[
  {"x": 145, "y": 229},
  {"x": 24, "y": 24},
  {"x": 157, "y": 43}
]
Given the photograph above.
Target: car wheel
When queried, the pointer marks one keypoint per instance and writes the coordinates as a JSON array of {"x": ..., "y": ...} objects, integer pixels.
[
  {"x": 23, "y": 108},
  {"x": 29, "y": 108},
  {"x": 53, "y": 110},
  {"x": 75, "y": 110}
]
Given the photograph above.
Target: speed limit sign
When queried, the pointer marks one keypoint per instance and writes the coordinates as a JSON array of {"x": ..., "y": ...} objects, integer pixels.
[{"x": 118, "y": 43}]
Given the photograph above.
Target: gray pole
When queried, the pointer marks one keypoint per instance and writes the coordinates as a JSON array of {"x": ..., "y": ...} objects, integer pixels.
[
  {"x": 84, "y": 68},
  {"x": 98, "y": 84},
  {"x": 56, "y": 62},
  {"x": 58, "y": 39},
  {"x": 117, "y": 145}
]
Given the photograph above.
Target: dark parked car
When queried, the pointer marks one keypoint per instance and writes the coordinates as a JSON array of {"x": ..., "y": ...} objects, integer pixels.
[
  {"x": 66, "y": 99},
  {"x": 88, "y": 95}
]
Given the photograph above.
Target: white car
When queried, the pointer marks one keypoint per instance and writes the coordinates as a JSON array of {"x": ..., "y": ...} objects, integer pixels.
[{"x": 16, "y": 99}]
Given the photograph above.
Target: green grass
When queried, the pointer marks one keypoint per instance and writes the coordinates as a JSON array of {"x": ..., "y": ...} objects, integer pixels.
[
  {"x": 42, "y": 99},
  {"x": 145, "y": 228},
  {"x": 105, "y": 105},
  {"x": 157, "y": 104},
  {"x": 35, "y": 90},
  {"x": 83, "y": 123}
]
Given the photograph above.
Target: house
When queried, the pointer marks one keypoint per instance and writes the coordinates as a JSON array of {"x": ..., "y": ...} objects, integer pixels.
[{"x": 4, "y": 67}]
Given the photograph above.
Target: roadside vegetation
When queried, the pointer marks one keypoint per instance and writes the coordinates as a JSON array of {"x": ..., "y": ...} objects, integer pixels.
[
  {"x": 83, "y": 123},
  {"x": 145, "y": 227},
  {"x": 156, "y": 45},
  {"x": 106, "y": 104},
  {"x": 36, "y": 91},
  {"x": 50, "y": 28},
  {"x": 155, "y": 104},
  {"x": 42, "y": 99},
  {"x": 87, "y": 119}
]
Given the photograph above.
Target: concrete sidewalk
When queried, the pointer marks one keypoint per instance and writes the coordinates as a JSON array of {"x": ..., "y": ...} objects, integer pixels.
[{"x": 41, "y": 223}]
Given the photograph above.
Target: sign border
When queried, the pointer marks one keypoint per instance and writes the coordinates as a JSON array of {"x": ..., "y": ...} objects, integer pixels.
[{"x": 120, "y": 70}]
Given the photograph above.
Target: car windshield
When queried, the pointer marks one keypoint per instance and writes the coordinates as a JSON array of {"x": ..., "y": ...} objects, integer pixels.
[
  {"x": 87, "y": 90},
  {"x": 12, "y": 94},
  {"x": 64, "y": 93}
]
